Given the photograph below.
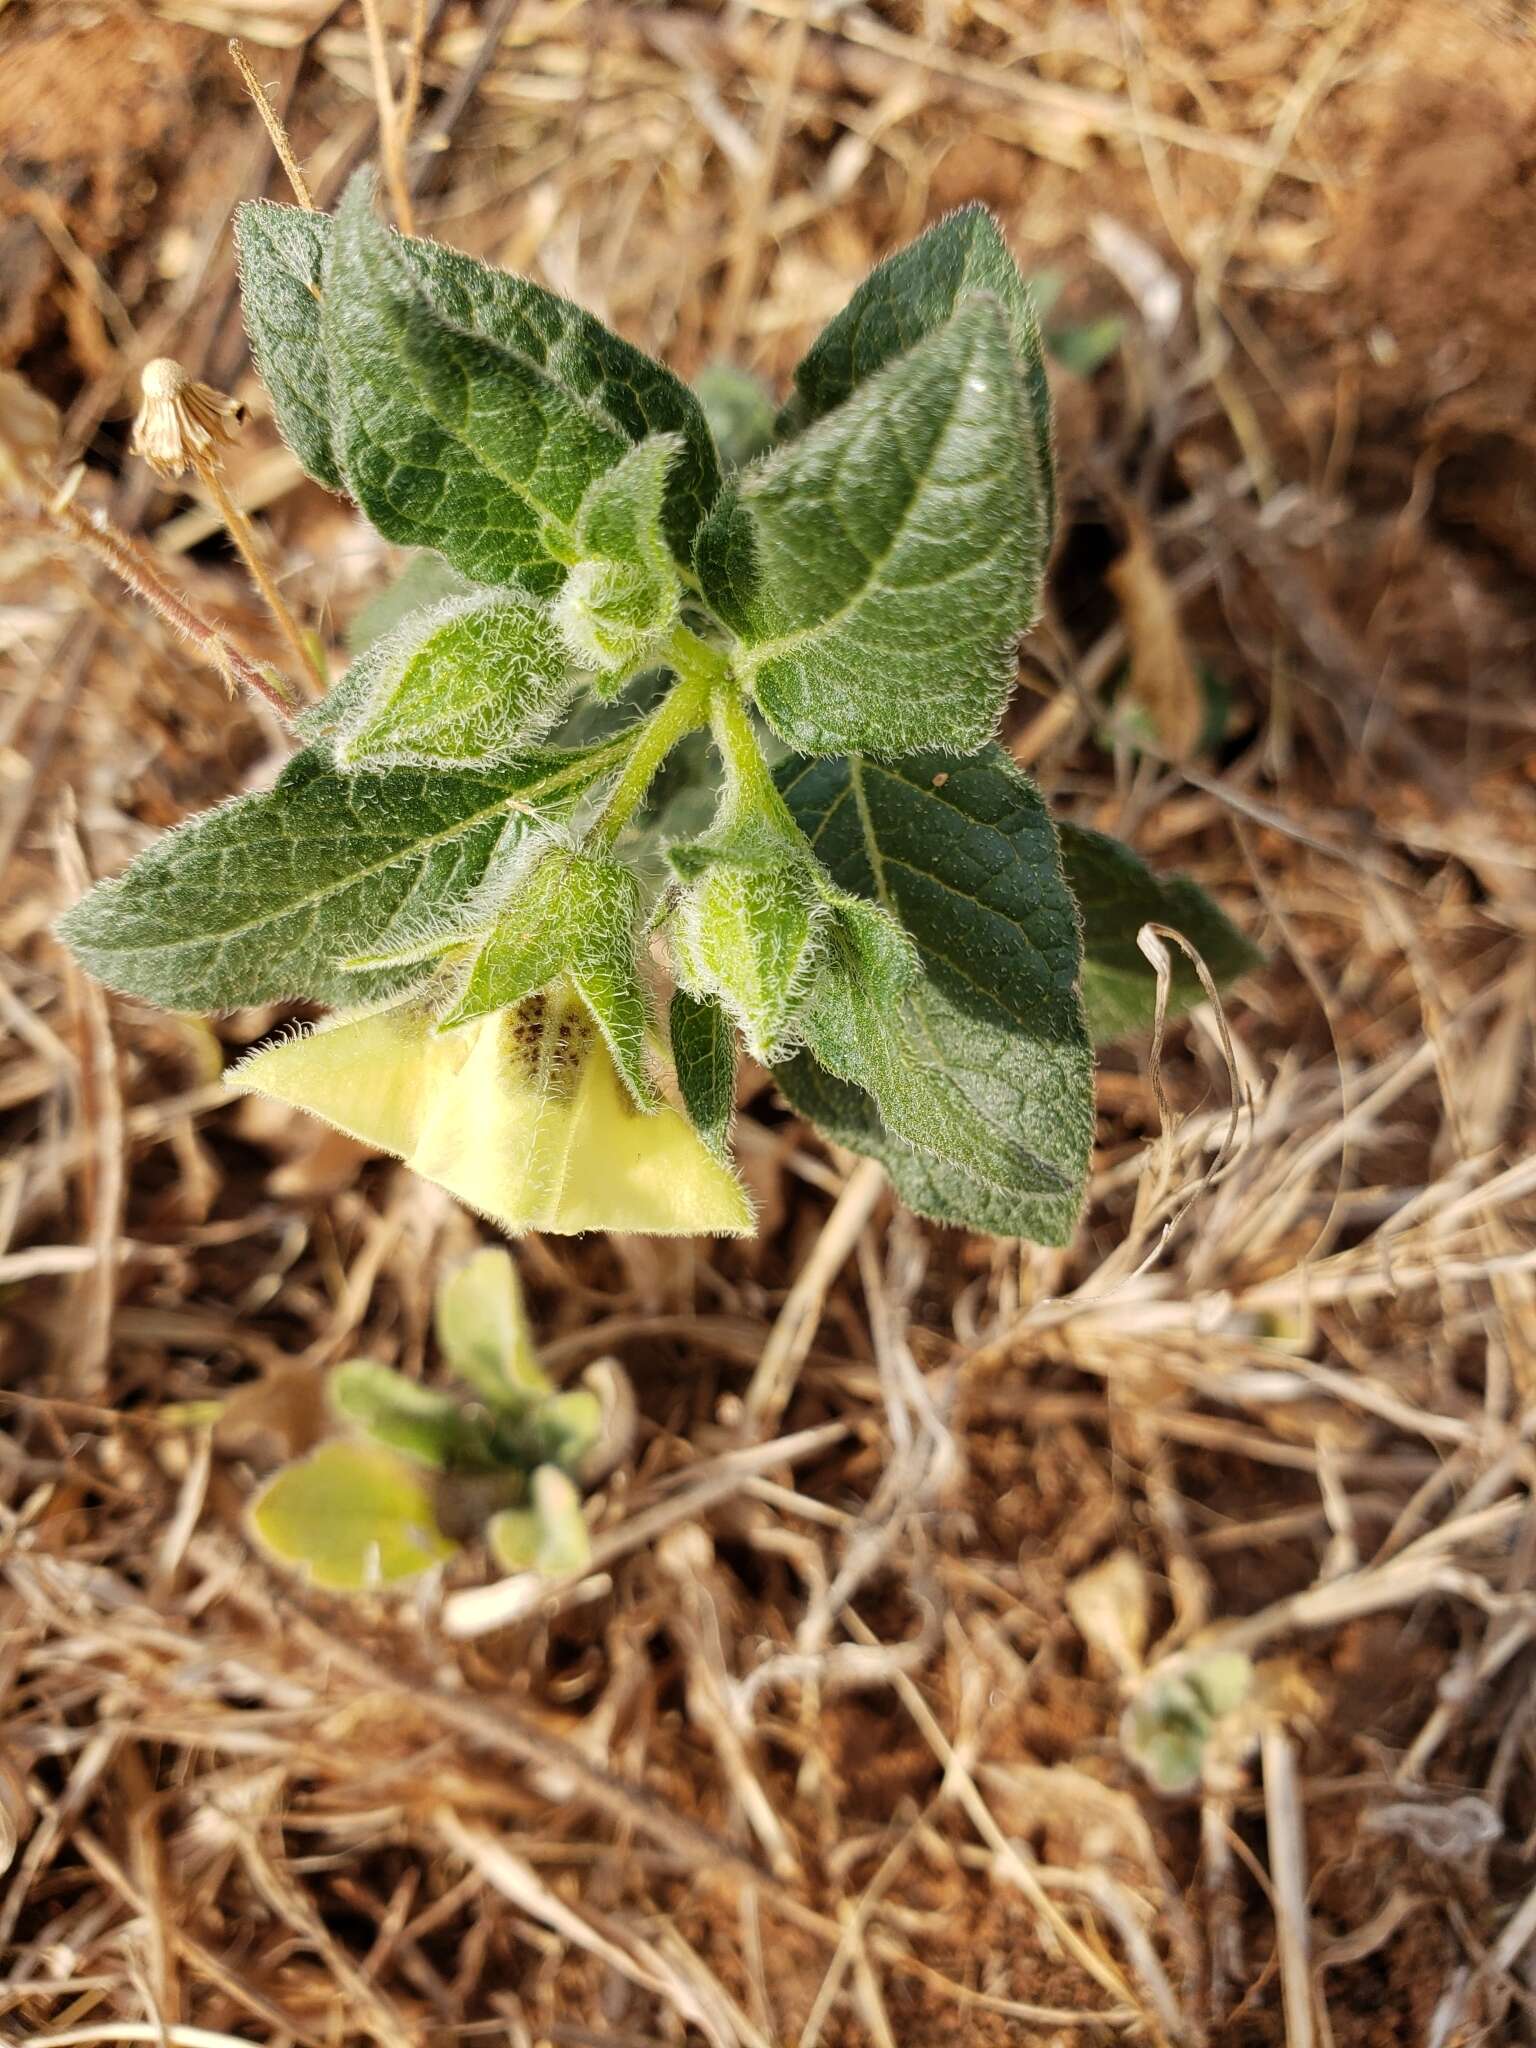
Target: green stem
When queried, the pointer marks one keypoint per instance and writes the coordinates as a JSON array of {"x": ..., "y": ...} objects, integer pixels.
[
  {"x": 700, "y": 670},
  {"x": 695, "y": 660},
  {"x": 587, "y": 765},
  {"x": 749, "y": 779}
]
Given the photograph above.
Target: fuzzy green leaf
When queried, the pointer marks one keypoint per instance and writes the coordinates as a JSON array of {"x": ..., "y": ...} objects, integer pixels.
[
  {"x": 550, "y": 1536},
  {"x": 430, "y": 1428},
  {"x": 704, "y": 1056},
  {"x": 473, "y": 408},
  {"x": 856, "y": 1027},
  {"x": 484, "y": 1332},
  {"x": 965, "y": 856},
  {"x": 909, "y": 295},
  {"x": 464, "y": 684},
  {"x": 449, "y": 439},
  {"x": 622, "y": 515},
  {"x": 281, "y": 252},
  {"x": 319, "y": 723},
  {"x": 576, "y": 917},
  {"x": 746, "y": 933},
  {"x": 880, "y": 568},
  {"x": 1117, "y": 894},
  {"x": 263, "y": 899},
  {"x": 354, "y": 1517},
  {"x": 615, "y": 620}
]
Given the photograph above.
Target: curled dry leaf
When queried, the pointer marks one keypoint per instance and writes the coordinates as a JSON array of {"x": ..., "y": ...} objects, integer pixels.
[
  {"x": 1112, "y": 1608},
  {"x": 610, "y": 1383}
]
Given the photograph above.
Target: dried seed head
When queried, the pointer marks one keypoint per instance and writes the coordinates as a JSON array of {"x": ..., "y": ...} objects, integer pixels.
[
  {"x": 30, "y": 430},
  {"x": 182, "y": 424}
]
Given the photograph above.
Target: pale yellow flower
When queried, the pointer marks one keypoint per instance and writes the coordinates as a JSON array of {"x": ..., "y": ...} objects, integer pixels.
[{"x": 521, "y": 1114}]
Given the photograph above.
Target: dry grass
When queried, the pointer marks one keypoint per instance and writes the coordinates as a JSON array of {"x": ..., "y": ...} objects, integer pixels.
[{"x": 826, "y": 1750}]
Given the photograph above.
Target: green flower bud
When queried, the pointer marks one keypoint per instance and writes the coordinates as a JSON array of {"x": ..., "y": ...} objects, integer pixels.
[
  {"x": 746, "y": 931},
  {"x": 615, "y": 616},
  {"x": 620, "y": 602}
]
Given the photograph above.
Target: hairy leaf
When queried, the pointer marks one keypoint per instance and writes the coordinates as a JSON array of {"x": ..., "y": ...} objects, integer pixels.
[
  {"x": 880, "y": 568},
  {"x": 449, "y": 439},
  {"x": 1117, "y": 894},
  {"x": 965, "y": 856},
  {"x": 353, "y": 1517},
  {"x": 908, "y": 296},
  {"x": 473, "y": 408},
  {"x": 264, "y": 898},
  {"x": 427, "y": 1427},
  {"x": 704, "y": 1057},
  {"x": 622, "y": 514},
  {"x": 281, "y": 252},
  {"x": 484, "y": 1333},
  {"x": 746, "y": 932},
  {"x": 620, "y": 601},
  {"x": 464, "y": 684}
]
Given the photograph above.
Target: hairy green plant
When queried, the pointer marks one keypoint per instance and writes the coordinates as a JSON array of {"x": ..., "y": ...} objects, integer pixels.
[
  {"x": 494, "y": 825},
  {"x": 417, "y": 1471}
]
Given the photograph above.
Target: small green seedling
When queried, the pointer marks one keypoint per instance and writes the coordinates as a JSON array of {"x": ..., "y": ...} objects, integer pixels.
[
  {"x": 1174, "y": 1722},
  {"x": 420, "y": 1471},
  {"x": 475, "y": 857}
]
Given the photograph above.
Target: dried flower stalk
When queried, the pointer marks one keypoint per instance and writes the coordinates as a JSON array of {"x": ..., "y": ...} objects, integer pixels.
[
  {"x": 184, "y": 425},
  {"x": 30, "y": 439}
]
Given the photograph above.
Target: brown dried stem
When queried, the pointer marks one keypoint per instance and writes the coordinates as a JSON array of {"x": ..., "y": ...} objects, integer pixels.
[
  {"x": 391, "y": 130},
  {"x": 132, "y": 566},
  {"x": 243, "y": 534},
  {"x": 272, "y": 124}
]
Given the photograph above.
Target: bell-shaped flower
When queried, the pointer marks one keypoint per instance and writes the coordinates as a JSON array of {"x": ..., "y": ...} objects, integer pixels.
[{"x": 522, "y": 1113}]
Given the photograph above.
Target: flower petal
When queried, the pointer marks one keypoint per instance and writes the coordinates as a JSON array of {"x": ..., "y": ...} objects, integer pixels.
[{"x": 522, "y": 1115}]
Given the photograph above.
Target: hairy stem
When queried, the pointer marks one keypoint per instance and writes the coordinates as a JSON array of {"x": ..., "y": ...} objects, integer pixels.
[
  {"x": 135, "y": 569},
  {"x": 700, "y": 669},
  {"x": 273, "y": 125},
  {"x": 749, "y": 780}
]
